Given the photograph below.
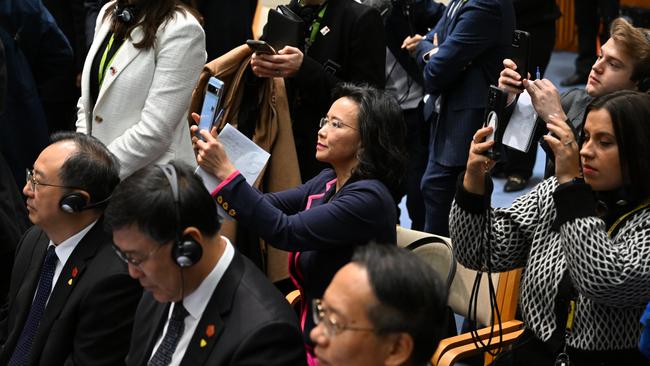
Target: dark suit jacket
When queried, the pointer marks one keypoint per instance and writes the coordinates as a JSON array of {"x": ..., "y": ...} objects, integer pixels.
[
  {"x": 253, "y": 324},
  {"x": 473, "y": 41},
  {"x": 88, "y": 317},
  {"x": 352, "y": 49}
]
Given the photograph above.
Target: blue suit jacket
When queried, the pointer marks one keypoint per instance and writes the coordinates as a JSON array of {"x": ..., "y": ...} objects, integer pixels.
[
  {"x": 321, "y": 228},
  {"x": 474, "y": 36}
]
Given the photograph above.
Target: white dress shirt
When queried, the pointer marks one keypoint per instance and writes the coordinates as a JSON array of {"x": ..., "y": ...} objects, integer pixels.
[
  {"x": 195, "y": 303},
  {"x": 63, "y": 252}
]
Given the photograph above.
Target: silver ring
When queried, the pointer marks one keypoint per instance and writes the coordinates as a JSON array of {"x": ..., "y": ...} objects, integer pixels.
[{"x": 567, "y": 143}]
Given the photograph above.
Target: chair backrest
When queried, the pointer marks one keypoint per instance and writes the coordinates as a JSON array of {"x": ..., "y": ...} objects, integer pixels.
[
  {"x": 435, "y": 250},
  {"x": 438, "y": 251}
]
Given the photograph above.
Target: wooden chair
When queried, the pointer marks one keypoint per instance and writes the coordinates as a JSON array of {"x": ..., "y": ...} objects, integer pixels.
[{"x": 459, "y": 283}]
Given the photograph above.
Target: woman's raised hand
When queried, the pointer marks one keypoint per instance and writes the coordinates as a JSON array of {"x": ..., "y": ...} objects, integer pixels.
[
  {"x": 477, "y": 163},
  {"x": 210, "y": 154},
  {"x": 563, "y": 143}
]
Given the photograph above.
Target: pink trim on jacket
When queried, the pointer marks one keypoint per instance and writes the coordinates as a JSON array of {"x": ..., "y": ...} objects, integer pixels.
[{"x": 225, "y": 181}]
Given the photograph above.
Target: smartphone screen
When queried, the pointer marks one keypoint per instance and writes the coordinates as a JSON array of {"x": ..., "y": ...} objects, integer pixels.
[{"x": 210, "y": 104}]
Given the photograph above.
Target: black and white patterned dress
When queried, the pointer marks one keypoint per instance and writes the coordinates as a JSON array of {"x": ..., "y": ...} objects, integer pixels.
[{"x": 551, "y": 230}]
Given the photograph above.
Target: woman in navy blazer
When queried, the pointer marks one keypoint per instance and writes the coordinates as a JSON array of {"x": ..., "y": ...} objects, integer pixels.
[{"x": 322, "y": 221}]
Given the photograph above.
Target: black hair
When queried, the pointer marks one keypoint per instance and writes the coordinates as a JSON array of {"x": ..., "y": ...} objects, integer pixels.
[
  {"x": 92, "y": 167},
  {"x": 630, "y": 115},
  {"x": 145, "y": 199},
  {"x": 150, "y": 15},
  {"x": 382, "y": 131},
  {"x": 410, "y": 296}
]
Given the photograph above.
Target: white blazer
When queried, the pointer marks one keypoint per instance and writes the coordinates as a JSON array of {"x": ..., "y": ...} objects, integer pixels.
[{"x": 141, "y": 107}]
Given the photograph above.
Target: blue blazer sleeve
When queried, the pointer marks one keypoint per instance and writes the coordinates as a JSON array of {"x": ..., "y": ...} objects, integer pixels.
[
  {"x": 474, "y": 31},
  {"x": 354, "y": 215}
]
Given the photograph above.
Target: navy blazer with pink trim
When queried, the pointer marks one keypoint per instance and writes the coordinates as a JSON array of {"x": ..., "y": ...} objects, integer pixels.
[{"x": 320, "y": 226}]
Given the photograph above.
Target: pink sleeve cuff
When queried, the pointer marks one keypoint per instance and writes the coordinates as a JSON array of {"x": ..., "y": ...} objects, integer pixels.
[{"x": 224, "y": 182}]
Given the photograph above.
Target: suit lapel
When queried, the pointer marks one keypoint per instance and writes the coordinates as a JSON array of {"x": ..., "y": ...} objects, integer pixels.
[
  {"x": 72, "y": 272},
  {"x": 25, "y": 294},
  {"x": 123, "y": 58},
  {"x": 154, "y": 321},
  {"x": 212, "y": 321}
]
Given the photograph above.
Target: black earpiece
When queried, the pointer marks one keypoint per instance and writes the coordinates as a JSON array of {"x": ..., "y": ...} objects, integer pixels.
[
  {"x": 186, "y": 252},
  {"x": 73, "y": 202},
  {"x": 125, "y": 14}
]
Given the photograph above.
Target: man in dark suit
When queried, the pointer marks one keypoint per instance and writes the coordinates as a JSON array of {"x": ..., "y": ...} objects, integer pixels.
[
  {"x": 461, "y": 57},
  {"x": 344, "y": 42},
  {"x": 205, "y": 304},
  {"x": 71, "y": 300}
]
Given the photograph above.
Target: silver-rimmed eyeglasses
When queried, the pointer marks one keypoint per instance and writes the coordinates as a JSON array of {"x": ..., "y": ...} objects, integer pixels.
[
  {"x": 34, "y": 182},
  {"x": 331, "y": 323},
  {"x": 334, "y": 123},
  {"x": 128, "y": 258}
]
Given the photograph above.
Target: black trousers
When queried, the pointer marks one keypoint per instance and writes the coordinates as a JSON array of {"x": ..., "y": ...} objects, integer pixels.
[{"x": 589, "y": 14}]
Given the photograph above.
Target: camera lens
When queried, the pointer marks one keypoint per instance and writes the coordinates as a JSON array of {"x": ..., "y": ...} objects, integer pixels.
[{"x": 211, "y": 88}]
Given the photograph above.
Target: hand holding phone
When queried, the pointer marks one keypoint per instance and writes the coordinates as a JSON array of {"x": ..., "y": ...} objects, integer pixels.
[
  {"x": 521, "y": 52},
  {"x": 260, "y": 47}
]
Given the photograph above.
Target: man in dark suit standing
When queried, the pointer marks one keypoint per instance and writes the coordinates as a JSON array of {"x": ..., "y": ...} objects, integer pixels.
[
  {"x": 461, "y": 57},
  {"x": 71, "y": 300},
  {"x": 205, "y": 304}
]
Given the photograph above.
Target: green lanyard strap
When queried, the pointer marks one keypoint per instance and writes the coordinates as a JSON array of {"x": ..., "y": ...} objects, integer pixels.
[
  {"x": 315, "y": 25},
  {"x": 103, "y": 65}
]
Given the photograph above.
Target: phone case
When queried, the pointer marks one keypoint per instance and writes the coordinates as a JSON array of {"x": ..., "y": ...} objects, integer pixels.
[
  {"x": 493, "y": 117},
  {"x": 521, "y": 52}
]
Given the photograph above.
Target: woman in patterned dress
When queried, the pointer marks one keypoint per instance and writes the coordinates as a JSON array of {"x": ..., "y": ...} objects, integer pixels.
[{"x": 582, "y": 236}]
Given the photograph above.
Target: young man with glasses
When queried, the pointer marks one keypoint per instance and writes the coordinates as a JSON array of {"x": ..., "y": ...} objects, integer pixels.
[
  {"x": 71, "y": 301},
  {"x": 386, "y": 307},
  {"x": 204, "y": 303}
]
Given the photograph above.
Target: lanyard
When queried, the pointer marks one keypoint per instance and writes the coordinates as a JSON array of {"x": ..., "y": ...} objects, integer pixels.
[
  {"x": 315, "y": 25},
  {"x": 102, "y": 64},
  {"x": 615, "y": 225}
]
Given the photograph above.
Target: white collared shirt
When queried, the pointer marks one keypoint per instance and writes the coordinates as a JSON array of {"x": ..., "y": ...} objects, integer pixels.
[
  {"x": 195, "y": 303},
  {"x": 63, "y": 252}
]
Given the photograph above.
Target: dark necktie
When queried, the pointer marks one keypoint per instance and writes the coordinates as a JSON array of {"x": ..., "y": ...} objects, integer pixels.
[
  {"x": 24, "y": 345},
  {"x": 163, "y": 355}
]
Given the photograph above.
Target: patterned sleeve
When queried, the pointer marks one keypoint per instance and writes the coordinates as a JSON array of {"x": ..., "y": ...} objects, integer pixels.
[
  {"x": 612, "y": 271},
  {"x": 506, "y": 232}
]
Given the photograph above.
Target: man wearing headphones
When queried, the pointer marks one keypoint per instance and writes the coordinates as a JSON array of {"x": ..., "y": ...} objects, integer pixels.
[
  {"x": 204, "y": 303},
  {"x": 71, "y": 300}
]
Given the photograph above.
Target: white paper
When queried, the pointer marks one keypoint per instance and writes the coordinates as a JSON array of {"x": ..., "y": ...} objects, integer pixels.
[
  {"x": 243, "y": 153},
  {"x": 521, "y": 127}
]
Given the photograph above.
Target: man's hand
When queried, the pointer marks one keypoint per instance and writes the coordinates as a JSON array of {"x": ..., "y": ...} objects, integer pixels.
[
  {"x": 411, "y": 43},
  {"x": 510, "y": 80},
  {"x": 546, "y": 99},
  {"x": 285, "y": 64}
]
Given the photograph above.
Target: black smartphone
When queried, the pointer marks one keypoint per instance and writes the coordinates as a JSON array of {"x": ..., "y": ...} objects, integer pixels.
[
  {"x": 521, "y": 52},
  {"x": 260, "y": 47},
  {"x": 494, "y": 118}
]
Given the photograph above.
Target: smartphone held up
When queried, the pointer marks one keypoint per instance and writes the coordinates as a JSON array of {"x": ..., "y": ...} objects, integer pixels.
[{"x": 210, "y": 112}]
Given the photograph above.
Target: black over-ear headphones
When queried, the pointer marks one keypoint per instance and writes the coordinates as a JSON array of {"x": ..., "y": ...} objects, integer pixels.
[
  {"x": 76, "y": 202},
  {"x": 185, "y": 251},
  {"x": 125, "y": 14}
]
